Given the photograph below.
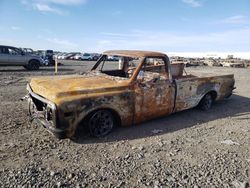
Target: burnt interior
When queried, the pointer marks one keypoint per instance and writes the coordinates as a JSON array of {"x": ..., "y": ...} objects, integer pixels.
[{"x": 120, "y": 73}]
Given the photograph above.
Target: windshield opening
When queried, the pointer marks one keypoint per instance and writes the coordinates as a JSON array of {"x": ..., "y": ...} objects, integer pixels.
[{"x": 118, "y": 66}]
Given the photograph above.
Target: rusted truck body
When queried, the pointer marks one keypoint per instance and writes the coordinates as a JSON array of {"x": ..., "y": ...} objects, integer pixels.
[{"x": 143, "y": 85}]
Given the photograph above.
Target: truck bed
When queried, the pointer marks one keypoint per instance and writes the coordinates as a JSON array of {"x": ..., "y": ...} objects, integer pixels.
[
  {"x": 191, "y": 88},
  {"x": 179, "y": 73},
  {"x": 193, "y": 75}
]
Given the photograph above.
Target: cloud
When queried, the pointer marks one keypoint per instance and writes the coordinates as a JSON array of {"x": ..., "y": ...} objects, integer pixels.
[
  {"x": 111, "y": 34},
  {"x": 6, "y": 41},
  {"x": 56, "y": 2},
  {"x": 237, "y": 19},
  {"x": 15, "y": 28},
  {"x": 231, "y": 40},
  {"x": 63, "y": 44},
  {"x": 116, "y": 13},
  {"x": 25, "y": 2},
  {"x": 65, "y": 2},
  {"x": 192, "y": 3},
  {"x": 51, "y": 6},
  {"x": 47, "y": 8}
]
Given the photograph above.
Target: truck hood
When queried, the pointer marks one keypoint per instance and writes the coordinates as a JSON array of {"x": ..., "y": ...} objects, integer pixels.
[{"x": 70, "y": 87}]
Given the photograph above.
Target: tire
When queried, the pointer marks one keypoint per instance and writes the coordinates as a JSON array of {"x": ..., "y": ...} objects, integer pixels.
[
  {"x": 206, "y": 102},
  {"x": 228, "y": 96},
  {"x": 31, "y": 109},
  {"x": 101, "y": 123},
  {"x": 33, "y": 65}
]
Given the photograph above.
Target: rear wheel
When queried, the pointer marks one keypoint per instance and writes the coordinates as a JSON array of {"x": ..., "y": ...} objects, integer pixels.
[
  {"x": 101, "y": 123},
  {"x": 206, "y": 102}
]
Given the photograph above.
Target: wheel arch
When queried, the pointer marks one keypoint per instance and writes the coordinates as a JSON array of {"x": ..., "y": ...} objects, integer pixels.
[
  {"x": 34, "y": 60},
  {"x": 114, "y": 112},
  {"x": 212, "y": 92}
]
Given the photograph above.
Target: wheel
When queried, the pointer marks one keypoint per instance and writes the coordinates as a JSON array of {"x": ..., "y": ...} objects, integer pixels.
[
  {"x": 228, "y": 96},
  {"x": 31, "y": 109},
  {"x": 206, "y": 102},
  {"x": 101, "y": 123},
  {"x": 33, "y": 65}
]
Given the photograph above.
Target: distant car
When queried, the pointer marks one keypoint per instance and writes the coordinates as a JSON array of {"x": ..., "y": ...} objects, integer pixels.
[
  {"x": 95, "y": 57},
  {"x": 86, "y": 56},
  {"x": 48, "y": 57},
  {"x": 77, "y": 56},
  {"x": 12, "y": 56},
  {"x": 113, "y": 58},
  {"x": 69, "y": 55},
  {"x": 61, "y": 56}
]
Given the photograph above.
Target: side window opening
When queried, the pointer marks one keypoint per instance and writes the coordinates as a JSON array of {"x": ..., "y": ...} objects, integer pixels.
[
  {"x": 4, "y": 50},
  {"x": 153, "y": 70},
  {"x": 118, "y": 66},
  {"x": 13, "y": 51}
]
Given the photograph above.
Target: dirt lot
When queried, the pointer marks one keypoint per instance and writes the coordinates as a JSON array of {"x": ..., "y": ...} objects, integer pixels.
[{"x": 188, "y": 149}]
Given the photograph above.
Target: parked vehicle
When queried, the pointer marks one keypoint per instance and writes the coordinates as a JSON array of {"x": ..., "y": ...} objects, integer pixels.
[
  {"x": 60, "y": 55},
  {"x": 86, "y": 56},
  {"x": 133, "y": 91},
  {"x": 77, "y": 56},
  {"x": 113, "y": 58},
  {"x": 48, "y": 57},
  {"x": 95, "y": 56},
  {"x": 12, "y": 56},
  {"x": 68, "y": 56}
]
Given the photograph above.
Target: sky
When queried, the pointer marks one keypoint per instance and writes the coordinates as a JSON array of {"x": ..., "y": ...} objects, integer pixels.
[{"x": 99, "y": 25}]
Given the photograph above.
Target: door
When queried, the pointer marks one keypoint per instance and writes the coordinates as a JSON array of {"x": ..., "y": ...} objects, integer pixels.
[
  {"x": 154, "y": 94},
  {"x": 4, "y": 55},
  {"x": 16, "y": 57}
]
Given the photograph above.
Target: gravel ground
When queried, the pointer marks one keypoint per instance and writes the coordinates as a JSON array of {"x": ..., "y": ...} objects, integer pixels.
[{"x": 187, "y": 149}]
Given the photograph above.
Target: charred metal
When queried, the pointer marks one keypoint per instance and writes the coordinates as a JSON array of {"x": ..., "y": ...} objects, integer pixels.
[{"x": 144, "y": 86}]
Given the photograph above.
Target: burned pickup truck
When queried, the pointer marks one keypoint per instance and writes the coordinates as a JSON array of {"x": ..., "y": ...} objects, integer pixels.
[{"x": 141, "y": 86}]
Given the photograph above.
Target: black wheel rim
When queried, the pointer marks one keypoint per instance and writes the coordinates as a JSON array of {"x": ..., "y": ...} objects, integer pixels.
[
  {"x": 35, "y": 66},
  {"x": 101, "y": 123},
  {"x": 208, "y": 101}
]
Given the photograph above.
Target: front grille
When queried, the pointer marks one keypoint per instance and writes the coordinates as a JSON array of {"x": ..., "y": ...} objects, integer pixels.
[{"x": 44, "y": 108}]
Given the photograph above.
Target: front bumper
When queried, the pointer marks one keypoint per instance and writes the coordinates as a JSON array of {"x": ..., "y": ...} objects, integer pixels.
[
  {"x": 42, "y": 115},
  {"x": 59, "y": 133}
]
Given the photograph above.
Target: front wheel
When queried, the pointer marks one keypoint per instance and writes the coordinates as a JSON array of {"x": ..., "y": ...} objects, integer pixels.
[
  {"x": 33, "y": 65},
  {"x": 206, "y": 102},
  {"x": 101, "y": 123}
]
